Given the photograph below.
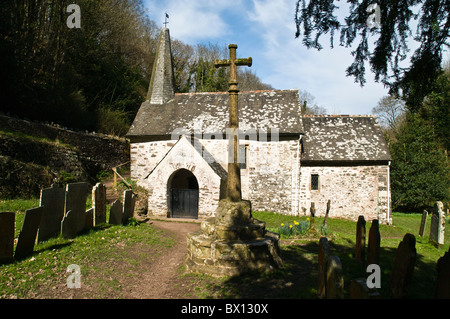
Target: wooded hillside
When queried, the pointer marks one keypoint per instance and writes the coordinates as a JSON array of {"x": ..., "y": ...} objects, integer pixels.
[{"x": 94, "y": 77}]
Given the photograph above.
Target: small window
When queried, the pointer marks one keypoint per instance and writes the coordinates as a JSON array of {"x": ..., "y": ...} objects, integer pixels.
[{"x": 315, "y": 182}]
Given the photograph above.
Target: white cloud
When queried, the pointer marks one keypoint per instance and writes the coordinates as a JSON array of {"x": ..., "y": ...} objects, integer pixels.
[
  {"x": 288, "y": 64},
  {"x": 192, "y": 21},
  {"x": 265, "y": 30}
]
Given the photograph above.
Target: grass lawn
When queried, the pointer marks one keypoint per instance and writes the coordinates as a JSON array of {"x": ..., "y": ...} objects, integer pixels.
[
  {"x": 114, "y": 253},
  {"x": 108, "y": 255}
]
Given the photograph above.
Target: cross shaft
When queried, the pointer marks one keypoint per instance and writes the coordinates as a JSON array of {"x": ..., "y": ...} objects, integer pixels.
[{"x": 234, "y": 193}]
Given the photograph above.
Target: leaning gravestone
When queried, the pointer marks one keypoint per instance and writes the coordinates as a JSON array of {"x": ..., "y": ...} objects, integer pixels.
[
  {"x": 53, "y": 200},
  {"x": 129, "y": 201},
  {"x": 443, "y": 277},
  {"x": 360, "y": 248},
  {"x": 405, "y": 259},
  {"x": 69, "y": 227},
  {"x": 89, "y": 221},
  {"x": 99, "y": 203},
  {"x": 335, "y": 278},
  {"x": 373, "y": 247},
  {"x": 322, "y": 266},
  {"x": 7, "y": 220},
  {"x": 76, "y": 195},
  {"x": 423, "y": 223},
  {"x": 28, "y": 232},
  {"x": 437, "y": 228},
  {"x": 116, "y": 211}
]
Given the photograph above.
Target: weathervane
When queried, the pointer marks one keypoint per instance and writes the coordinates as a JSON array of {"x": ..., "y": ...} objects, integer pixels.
[{"x": 166, "y": 21}]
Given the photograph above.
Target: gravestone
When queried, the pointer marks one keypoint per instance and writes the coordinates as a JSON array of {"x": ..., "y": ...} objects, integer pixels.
[
  {"x": 28, "y": 232},
  {"x": 116, "y": 211},
  {"x": 360, "y": 248},
  {"x": 89, "y": 221},
  {"x": 323, "y": 255},
  {"x": 312, "y": 212},
  {"x": 373, "y": 247},
  {"x": 99, "y": 203},
  {"x": 437, "y": 228},
  {"x": 335, "y": 278},
  {"x": 405, "y": 259},
  {"x": 129, "y": 201},
  {"x": 443, "y": 277},
  {"x": 326, "y": 214},
  {"x": 7, "y": 221},
  {"x": 53, "y": 200},
  {"x": 76, "y": 195},
  {"x": 69, "y": 228},
  {"x": 358, "y": 289},
  {"x": 423, "y": 223}
]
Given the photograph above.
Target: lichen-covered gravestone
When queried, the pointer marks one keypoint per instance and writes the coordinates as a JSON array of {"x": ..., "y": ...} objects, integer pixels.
[
  {"x": 405, "y": 259},
  {"x": 76, "y": 196},
  {"x": 322, "y": 266},
  {"x": 423, "y": 223},
  {"x": 28, "y": 232},
  {"x": 373, "y": 246},
  {"x": 129, "y": 201},
  {"x": 360, "y": 249},
  {"x": 53, "y": 200},
  {"x": 7, "y": 221},
  {"x": 116, "y": 211},
  {"x": 69, "y": 227},
  {"x": 335, "y": 278},
  {"x": 99, "y": 203},
  {"x": 437, "y": 227},
  {"x": 443, "y": 277}
]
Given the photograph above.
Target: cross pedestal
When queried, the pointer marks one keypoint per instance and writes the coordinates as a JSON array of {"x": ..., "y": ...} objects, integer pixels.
[{"x": 233, "y": 242}]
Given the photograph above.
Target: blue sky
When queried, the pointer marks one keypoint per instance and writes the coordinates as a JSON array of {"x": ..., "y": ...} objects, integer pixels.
[{"x": 265, "y": 31}]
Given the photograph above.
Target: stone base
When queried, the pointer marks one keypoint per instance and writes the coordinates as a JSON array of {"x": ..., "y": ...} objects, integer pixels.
[{"x": 232, "y": 243}]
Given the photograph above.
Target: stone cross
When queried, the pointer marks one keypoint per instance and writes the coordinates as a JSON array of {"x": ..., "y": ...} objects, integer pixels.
[{"x": 234, "y": 193}]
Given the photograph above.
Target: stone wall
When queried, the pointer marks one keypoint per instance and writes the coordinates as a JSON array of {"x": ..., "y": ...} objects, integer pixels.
[
  {"x": 353, "y": 191},
  {"x": 274, "y": 180},
  {"x": 269, "y": 181},
  {"x": 106, "y": 151},
  {"x": 35, "y": 155}
]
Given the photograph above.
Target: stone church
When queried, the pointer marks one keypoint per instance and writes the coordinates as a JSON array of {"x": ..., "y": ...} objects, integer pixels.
[{"x": 179, "y": 153}]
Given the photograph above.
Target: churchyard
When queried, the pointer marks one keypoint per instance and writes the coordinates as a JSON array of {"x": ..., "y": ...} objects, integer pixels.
[{"x": 112, "y": 257}]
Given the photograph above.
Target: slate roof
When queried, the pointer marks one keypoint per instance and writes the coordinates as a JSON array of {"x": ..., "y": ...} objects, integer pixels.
[
  {"x": 208, "y": 113},
  {"x": 343, "y": 138}
]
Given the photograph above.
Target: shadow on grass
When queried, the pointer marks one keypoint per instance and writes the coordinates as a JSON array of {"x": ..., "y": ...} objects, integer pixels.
[{"x": 297, "y": 279}]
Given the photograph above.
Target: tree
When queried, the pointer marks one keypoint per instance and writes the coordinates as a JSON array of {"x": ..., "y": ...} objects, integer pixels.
[
  {"x": 390, "y": 111},
  {"x": 420, "y": 172},
  {"x": 309, "y": 105},
  {"x": 75, "y": 77},
  {"x": 436, "y": 107},
  {"x": 393, "y": 28}
]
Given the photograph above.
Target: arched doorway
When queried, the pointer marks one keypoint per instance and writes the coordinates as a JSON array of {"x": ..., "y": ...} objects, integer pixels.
[{"x": 182, "y": 189}]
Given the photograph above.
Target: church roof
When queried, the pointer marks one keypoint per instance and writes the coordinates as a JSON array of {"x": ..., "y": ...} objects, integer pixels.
[
  {"x": 208, "y": 113},
  {"x": 343, "y": 138}
]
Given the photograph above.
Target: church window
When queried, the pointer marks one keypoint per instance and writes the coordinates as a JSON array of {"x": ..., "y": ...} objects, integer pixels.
[{"x": 314, "y": 182}]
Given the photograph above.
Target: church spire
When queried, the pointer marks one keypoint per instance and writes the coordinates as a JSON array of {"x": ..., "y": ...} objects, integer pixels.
[{"x": 161, "y": 87}]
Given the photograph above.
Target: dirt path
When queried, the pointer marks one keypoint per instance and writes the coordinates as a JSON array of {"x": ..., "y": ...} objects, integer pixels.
[{"x": 161, "y": 280}]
